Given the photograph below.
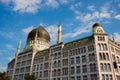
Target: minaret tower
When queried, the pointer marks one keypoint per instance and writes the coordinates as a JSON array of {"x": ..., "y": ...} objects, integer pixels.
[
  {"x": 18, "y": 47},
  {"x": 16, "y": 57},
  {"x": 59, "y": 34}
]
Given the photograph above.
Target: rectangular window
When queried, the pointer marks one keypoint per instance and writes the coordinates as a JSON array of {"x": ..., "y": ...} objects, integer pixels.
[
  {"x": 77, "y": 60},
  {"x": 72, "y": 70},
  {"x": 78, "y": 69},
  {"x": 78, "y": 77},
  {"x": 83, "y": 58},
  {"x": 84, "y": 68},
  {"x": 72, "y": 60},
  {"x": 85, "y": 77},
  {"x": 72, "y": 78}
]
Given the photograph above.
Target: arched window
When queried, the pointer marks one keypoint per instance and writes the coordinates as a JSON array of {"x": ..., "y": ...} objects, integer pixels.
[
  {"x": 104, "y": 58},
  {"x": 103, "y": 38},
  {"x": 55, "y": 72},
  {"x": 94, "y": 67},
  {"x": 98, "y": 38},
  {"x": 59, "y": 63},
  {"x": 100, "y": 55},
  {"x": 101, "y": 66},
  {"x": 107, "y": 56},
  {"x": 99, "y": 46},
  {"x": 55, "y": 56},
  {"x": 93, "y": 56},
  {"x": 105, "y": 67},
  {"x": 107, "y": 78},
  {"x": 91, "y": 68},
  {"x": 55, "y": 64},
  {"x": 105, "y": 47},
  {"x": 59, "y": 54},
  {"x": 102, "y": 47},
  {"x": 58, "y": 72},
  {"x": 108, "y": 67}
]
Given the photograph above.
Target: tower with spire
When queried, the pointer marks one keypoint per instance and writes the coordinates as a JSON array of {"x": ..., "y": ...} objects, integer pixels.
[{"x": 59, "y": 40}]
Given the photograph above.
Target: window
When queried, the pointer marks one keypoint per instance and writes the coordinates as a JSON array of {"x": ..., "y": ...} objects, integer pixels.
[
  {"x": 65, "y": 62},
  {"x": 78, "y": 51},
  {"x": 40, "y": 74},
  {"x": 93, "y": 77},
  {"x": 59, "y": 63},
  {"x": 65, "y": 71},
  {"x": 72, "y": 78},
  {"x": 107, "y": 56},
  {"x": 72, "y": 60},
  {"x": 100, "y": 55},
  {"x": 84, "y": 49},
  {"x": 99, "y": 46},
  {"x": 92, "y": 57},
  {"x": 59, "y": 54},
  {"x": 84, "y": 68},
  {"x": 85, "y": 77},
  {"x": 77, "y": 60},
  {"x": 107, "y": 78},
  {"x": 58, "y": 73},
  {"x": 91, "y": 48},
  {"x": 78, "y": 69},
  {"x": 83, "y": 58},
  {"x": 78, "y": 77},
  {"x": 108, "y": 67},
  {"x": 93, "y": 67},
  {"x": 101, "y": 66},
  {"x": 72, "y": 70},
  {"x": 111, "y": 77},
  {"x": 105, "y": 67},
  {"x": 103, "y": 77},
  {"x": 104, "y": 58}
]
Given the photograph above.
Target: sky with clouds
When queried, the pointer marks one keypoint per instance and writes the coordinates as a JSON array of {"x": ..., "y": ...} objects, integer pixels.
[{"x": 18, "y": 17}]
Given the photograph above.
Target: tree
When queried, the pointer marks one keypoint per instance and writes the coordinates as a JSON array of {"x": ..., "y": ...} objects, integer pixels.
[
  {"x": 3, "y": 76},
  {"x": 30, "y": 77}
]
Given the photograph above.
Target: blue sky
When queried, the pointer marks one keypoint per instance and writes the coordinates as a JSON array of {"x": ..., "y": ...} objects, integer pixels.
[{"x": 18, "y": 17}]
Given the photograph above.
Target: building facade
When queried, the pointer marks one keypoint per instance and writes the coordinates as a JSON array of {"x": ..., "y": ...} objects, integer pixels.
[{"x": 95, "y": 57}]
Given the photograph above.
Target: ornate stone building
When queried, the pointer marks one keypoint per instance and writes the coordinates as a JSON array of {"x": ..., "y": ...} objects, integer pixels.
[{"x": 95, "y": 57}]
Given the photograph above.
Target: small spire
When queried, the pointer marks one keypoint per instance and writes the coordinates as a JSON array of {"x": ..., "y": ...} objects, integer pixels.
[
  {"x": 113, "y": 37},
  {"x": 19, "y": 45},
  {"x": 59, "y": 33}
]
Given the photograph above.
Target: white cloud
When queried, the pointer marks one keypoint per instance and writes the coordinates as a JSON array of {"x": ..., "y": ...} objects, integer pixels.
[
  {"x": 76, "y": 6},
  {"x": 10, "y": 58},
  {"x": 52, "y": 3},
  {"x": 52, "y": 29},
  {"x": 5, "y": 1},
  {"x": 32, "y": 6},
  {"x": 27, "y": 30},
  {"x": 65, "y": 1},
  {"x": 26, "y": 5},
  {"x": 91, "y": 8},
  {"x": 9, "y": 47},
  {"x": 7, "y": 34},
  {"x": 3, "y": 68},
  {"x": 117, "y": 17},
  {"x": 79, "y": 30},
  {"x": 117, "y": 37}
]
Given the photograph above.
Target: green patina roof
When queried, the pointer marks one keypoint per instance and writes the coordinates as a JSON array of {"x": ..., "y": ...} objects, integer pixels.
[
  {"x": 43, "y": 52},
  {"x": 79, "y": 42}
]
